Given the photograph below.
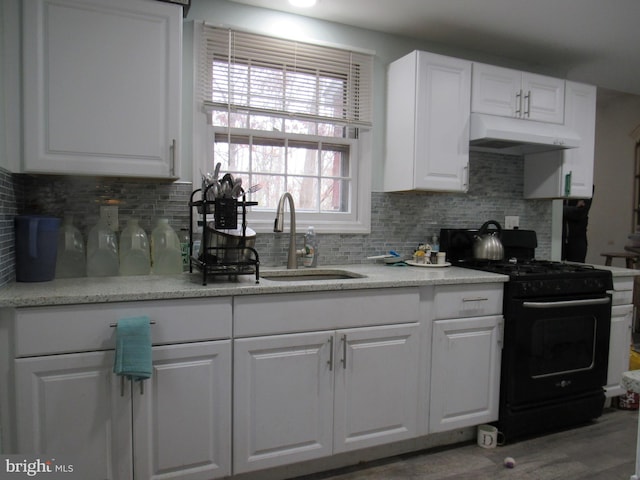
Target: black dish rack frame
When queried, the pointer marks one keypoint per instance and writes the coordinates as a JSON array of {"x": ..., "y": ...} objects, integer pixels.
[{"x": 228, "y": 260}]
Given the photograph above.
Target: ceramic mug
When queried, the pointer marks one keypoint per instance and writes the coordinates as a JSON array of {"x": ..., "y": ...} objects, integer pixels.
[
  {"x": 489, "y": 436},
  {"x": 441, "y": 258}
]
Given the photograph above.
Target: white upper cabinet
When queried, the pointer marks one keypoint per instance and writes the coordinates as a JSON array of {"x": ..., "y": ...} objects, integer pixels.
[
  {"x": 428, "y": 109},
  {"x": 102, "y": 87},
  {"x": 580, "y": 115},
  {"x": 567, "y": 173},
  {"x": 511, "y": 93}
]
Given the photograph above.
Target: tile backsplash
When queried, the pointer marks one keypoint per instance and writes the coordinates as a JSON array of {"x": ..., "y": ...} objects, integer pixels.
[
  {"x": 399, "y": 221},
  {"x": 8, "y": 210}
]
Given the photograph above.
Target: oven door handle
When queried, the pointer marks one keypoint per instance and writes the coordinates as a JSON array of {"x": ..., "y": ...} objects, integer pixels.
[{"x": 567, "y": 303}]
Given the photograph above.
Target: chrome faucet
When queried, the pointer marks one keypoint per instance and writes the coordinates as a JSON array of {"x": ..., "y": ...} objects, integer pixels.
[{"x": 278, "y": 226}]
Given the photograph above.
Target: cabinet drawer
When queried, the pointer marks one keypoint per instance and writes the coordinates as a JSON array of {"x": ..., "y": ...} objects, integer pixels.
[
  {"x": 304, "y": 312},
  {"x": 469, "y": 300},
  {"x": 622, "y": 297},
  {"x": 77, "y": 328},
  {"x": 622, "y": 290}
]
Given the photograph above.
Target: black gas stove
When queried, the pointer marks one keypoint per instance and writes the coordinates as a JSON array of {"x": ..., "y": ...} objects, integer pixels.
[
  {"x": 528, "y": 276},
  {"x": 543, "y": 277}
]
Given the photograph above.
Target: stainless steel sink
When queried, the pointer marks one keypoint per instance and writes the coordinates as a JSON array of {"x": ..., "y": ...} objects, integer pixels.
[{"x": 307, "y": 275}]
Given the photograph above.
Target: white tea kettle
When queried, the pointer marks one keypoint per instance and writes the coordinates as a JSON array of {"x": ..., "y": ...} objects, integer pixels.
[{"x": 487, "y": 244}]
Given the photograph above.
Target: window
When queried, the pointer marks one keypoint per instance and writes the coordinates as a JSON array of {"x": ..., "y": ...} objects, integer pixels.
[{"x": 290, "y": 116}]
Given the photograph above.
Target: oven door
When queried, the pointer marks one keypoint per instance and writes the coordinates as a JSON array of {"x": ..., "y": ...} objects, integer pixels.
[{"x": 554, "y": 348}]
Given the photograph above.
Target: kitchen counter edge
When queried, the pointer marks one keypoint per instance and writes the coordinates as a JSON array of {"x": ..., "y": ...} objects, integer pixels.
[{"x": 189, "y": 285}]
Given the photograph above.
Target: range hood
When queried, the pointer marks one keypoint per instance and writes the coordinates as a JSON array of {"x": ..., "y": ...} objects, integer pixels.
[{"x": 513, "y": 136}]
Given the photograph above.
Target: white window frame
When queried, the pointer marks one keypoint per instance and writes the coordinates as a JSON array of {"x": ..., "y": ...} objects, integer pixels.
[{"x": 358, "y": 220}]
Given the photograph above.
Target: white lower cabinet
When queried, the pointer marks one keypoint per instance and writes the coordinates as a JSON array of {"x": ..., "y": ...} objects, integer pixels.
[
  {"x": 619, "y": 348},
  {"x": 70, "y": 405},
  {"x": 311, "y": 374},
  {"x": 308, "y": 395},
  {"x": 466, "y": 350},
  {"x": 465, "y": 372},
  {"x": 182, "y": 426},
  {"x": 74, "y": 406},
  {"x": 620, "y": 336}
]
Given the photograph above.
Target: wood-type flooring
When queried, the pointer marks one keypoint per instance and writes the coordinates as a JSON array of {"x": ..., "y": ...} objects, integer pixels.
[{"x": 601, "y": 450}]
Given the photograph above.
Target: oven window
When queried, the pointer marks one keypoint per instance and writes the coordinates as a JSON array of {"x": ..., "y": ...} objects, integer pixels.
[{"x": 561, "y": 345}]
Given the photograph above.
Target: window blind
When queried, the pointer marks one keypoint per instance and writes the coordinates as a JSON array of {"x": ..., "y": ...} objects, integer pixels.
[{"x": 258, "y": 74}]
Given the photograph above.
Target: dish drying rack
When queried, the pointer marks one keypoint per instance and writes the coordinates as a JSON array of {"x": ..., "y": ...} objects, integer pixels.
[{"x": 229, "y": 260}]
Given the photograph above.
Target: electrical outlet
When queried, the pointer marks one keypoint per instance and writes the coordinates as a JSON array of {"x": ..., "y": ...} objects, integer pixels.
[
  {"x": 110, "y": 214},
  {"x": 511, "y": 222}
]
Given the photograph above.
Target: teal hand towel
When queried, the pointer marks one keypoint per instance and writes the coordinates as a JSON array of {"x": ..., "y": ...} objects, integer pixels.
[{"x": 133, "y": 348}]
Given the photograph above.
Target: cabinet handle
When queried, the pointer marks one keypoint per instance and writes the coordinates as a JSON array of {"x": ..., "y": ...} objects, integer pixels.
[
  {"x": 567, "y": 184},
  {"x": 519, "y": 103},
  {"x": 115, "y": 325},
  {"x": 172, "y": 150},
  {"x": 476, "y": 299},
  {"x": 141, "y": 382},
  {"x": 330, "y": 361},
  {"x": 344, "y": 351},
  {"x": 527, "y": 102},
  {"x": 122, "y": 385}
]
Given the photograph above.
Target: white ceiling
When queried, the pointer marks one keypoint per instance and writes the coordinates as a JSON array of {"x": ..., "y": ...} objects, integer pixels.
[{"x": 594, "y": 41}]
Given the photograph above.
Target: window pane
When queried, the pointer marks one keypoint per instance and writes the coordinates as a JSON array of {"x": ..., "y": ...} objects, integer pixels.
[
  {"x": 239, "y": 120},
  {"x": 303, "y": 158},
  {"x": 221, "y": 154},
  {"x": 299, "y": 126},
  {"x": 305, "y": 192},
  {"x": 335, "y": 161},
  {"x": 268, "y": 196},
  {"x": 268, "y": 155},
  {"x": 331, "y": 130},
  {"x": 238, "y": 156},
  {"x": 220, "y": 119},
  {"x": 263, "y": 122},
  {"x": 334, "y": 196},
  {"x": 316, "y": 174}
]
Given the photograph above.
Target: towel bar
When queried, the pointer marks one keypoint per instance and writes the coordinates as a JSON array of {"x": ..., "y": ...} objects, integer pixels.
[{"x": 114, "y": 325}]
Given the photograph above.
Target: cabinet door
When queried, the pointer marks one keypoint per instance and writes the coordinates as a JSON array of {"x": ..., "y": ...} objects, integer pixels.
[
  {"x": 428, "y": 103},
  {"x": 376, "y": 386},
  {"x": 542, "y": 98},
  {"x": 496, "y": 91},
  {"x": 283, "y": 399},
  {"x": 442, "y": 123},
  {"x": 70, "y": 407},
  {"x": 182, "y": 418},
  {"x": 567, "y": 173},
  {"x": 580, "y": 115},
  {"x": 465, "y": 372},
  {"x": 619, "y": 348},
  {"x": 102, "y": 87}
]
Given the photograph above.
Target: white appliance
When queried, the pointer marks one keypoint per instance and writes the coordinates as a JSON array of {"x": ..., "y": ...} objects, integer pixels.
[{"x": 513, "y": 136}]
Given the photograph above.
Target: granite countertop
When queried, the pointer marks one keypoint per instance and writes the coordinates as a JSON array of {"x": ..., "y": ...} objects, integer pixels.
[
  {"x": 618, "y": 271},
  {"x": 189, "y": 285}
]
